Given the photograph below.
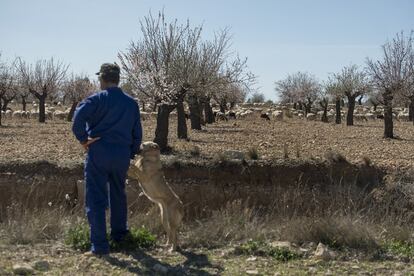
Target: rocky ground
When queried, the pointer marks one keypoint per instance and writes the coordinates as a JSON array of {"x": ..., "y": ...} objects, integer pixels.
[
  {"x": 57, "y": 259},
  {"x": 53, "y": 141}
]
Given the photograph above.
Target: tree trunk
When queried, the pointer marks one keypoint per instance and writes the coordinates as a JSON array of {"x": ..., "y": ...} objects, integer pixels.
[
  {"x": 6, "y": 103},
  {"x": 0, "y": 111},
  {"x": 350, "y": 114},
  {"x": 161, "y": 131},
  {"x": 411, "y": 110},
  {"x": 360, "y": 99},
  {"x": 24, "y": 103},
  {"x": 308, "y": 107},
  {"x": 295, "y": 106},
  {"x": 181, "y": 121},
  {"x": 208, "y": 112},
  {"x": 195, "y": 113},
  {"x": 223, "y": 106},
  {"x": 338, "y": 111},
  {"x": 72, "y": 111},
  {"x": 388, "y": 123},
  {"x": 42, "y": 109},
  {"x": 324, "y": 105},
  {"x": 201, "y": 111},
  {"x": 375, "y": 107}
]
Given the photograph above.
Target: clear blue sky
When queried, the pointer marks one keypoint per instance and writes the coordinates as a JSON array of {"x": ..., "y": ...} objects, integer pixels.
[{"x": 278, "y": 37}]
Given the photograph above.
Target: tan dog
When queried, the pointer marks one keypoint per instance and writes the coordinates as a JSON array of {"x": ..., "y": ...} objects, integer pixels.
[{"x": 147, "y": 169}]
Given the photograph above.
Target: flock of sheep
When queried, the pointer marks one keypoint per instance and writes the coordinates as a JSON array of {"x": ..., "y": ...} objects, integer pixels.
[
  {"x": 51, "y": 112},
  {"x": 277, "y": 112}
]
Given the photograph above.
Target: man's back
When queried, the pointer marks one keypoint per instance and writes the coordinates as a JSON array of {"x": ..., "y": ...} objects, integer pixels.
[{"x": 111, "y": 115}]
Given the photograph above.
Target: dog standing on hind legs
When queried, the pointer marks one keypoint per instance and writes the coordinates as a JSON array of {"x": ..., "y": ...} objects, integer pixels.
[{"x": 147, "y": 169}]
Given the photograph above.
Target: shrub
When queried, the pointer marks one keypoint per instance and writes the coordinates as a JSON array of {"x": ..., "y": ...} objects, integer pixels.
[
  {"x": 78, "y": 237},
  {"x": 260, "y": 248},
  {"x": 400, "y": 248},
  {"x": 195, "y": 151},
  {"x": 138, "y": 238},
  {"x": 253, "y": 153}
]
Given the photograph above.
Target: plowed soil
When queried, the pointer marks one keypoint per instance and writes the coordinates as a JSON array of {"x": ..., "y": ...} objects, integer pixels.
[{"x": 28, "y": 140}]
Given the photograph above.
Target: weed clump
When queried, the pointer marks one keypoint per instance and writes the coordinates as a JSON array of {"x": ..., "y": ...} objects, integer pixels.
[
  {"x": 138, "y": 238},
  {"x": 260, "y": 248},
  {"x": 253, "y": 153}
]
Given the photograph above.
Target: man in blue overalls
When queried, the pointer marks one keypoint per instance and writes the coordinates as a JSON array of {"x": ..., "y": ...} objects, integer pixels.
[{"x": 108, "y": 126}]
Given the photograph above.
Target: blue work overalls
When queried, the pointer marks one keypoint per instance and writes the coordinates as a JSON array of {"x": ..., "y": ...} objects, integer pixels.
[{"x": 113, "y": 116}]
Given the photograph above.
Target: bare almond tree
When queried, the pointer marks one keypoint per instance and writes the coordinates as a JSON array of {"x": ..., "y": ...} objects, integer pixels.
[
  {"x": 323, "y": 99},
  {"x": 7, "y": 78},
  {"x": 160, "y": 66},
  {"x": 257, "y": 97},
  {"x": 301, "y": 88},
  {"x": 10, "y": 95},
  {"x": 77, "y": 88},
  {"x": 332, "y": 88},
  {"x": 393, "y": 74},
  {"x": 24, "y": 96},
  {"x": 229, "y": 81},
  {"x": 286, "y": 91},
  {"x": 352, "y": 83},
  {"x": 41, "y": 79},
  {"x": 170, "y": 62}
]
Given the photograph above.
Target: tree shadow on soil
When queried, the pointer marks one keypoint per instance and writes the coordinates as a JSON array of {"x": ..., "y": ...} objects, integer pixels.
[{"x": 192, "y": 266}]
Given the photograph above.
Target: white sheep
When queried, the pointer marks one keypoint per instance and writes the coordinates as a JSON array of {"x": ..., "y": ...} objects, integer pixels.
[
  {"x": 311, "y": 117},
  {"x": 404, "y": 117},
  {"x": 277, "y": 115},
  {"x": 17, "y": 114},
  {"x": 59, "y": 115},
  {"x": 8, "y": 114}
]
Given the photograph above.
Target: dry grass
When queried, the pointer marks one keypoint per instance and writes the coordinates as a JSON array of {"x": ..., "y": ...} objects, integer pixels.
[
  {"x": 342, "y": 217},
  {"x": 27, "y": 226}
]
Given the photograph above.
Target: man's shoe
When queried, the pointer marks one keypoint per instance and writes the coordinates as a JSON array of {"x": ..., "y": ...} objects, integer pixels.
[
  {"x": 96, "y": 255},
  {"x": 124, "y": 244}
]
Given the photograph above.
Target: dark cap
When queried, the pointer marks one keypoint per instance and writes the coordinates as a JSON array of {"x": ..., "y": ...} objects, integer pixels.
[{"x": 109, "y": 70}]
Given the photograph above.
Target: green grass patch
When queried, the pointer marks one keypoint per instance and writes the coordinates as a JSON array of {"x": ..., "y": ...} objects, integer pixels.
[
  {"x": 259, "y": 248},
  {"x": 400, "y": 248},
  {"x": 78, "y": 237}
]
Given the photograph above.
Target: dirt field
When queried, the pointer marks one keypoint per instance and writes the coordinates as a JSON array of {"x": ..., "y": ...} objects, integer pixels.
[{"x": 29, "y": 140}]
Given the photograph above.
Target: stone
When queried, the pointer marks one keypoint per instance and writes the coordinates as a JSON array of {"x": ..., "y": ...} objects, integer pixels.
[
  {"x": 281, "y": 244},
  {"x": 251, "y": 259},
  {"x": 160, "y": 269},
  {"x": 23, "y": 269},
  {"x": 234, "y": 154},
  {"x": 41, "y": 265},
  {"x": 322, "y": 252},
  {"x": 252, "y": 272}
]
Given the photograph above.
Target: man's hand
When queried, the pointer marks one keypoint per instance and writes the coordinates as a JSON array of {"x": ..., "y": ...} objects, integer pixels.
[{"x": 90, "y": 141}]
